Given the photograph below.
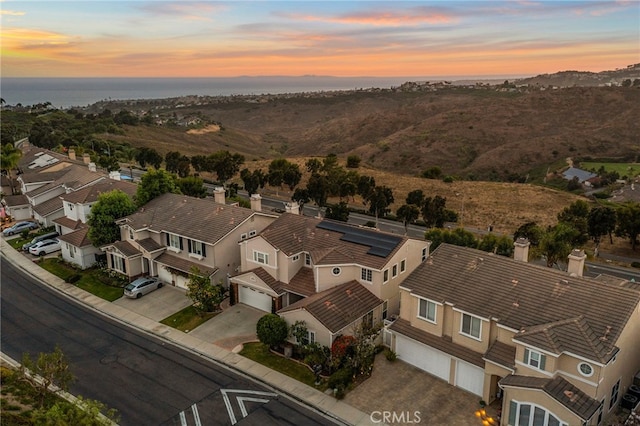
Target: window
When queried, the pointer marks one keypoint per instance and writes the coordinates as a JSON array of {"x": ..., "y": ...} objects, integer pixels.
[
  {"x": 118, "y": 263},
  {"x": 427, "y": 310},
  {"x": 335, "y": 271},
  {"x": 385, "y": 275},
  {"x": 307, "y": 259},
  {"x": 614, "y": 394},
  {"x": 585, "y": 369},
  {"x": 534, "y": 359},
  {"x": 243, "y": 236},
  {"x": 70, "y": 248},
  {"x": 524, "y": 414},
  {"x": 197, "y": 247},
  {"x": 600, "y": 411},
  {"x": 261, "y": 257},
  {"x": 368, "y": 319},
  {"x": 174, "y": 241},
  {"x": 366, "y": 275},
  {"x": 252, "y": 233},
  {"x": 296, "y": 257},
  {"x": 384, "y": 310},
  {"x": 70, "y": 206},
  {"x": 403, "y": 265},
  {"x": 394, "y": 271},
  {"x": 424, "y": 254},
  {"x": 309, "y": 339},
  {"x": 471, "y": 326},
  {"x": 131, "y": 234}
]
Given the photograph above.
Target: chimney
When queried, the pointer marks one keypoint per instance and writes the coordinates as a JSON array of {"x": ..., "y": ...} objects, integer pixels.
[
  {"x": 92, "y": 167},
  {"x": 293, "y": 207},
  {"x": 115, "y": 175},
  {"x": 72, "y": 154},
  {"x": 576, "y": 263},
  {"x": 256, "y": 202},
  {"x": 86, "y": 159},
  {"x": 218, "y": 195},
  {"x": 521, "y": 249}
]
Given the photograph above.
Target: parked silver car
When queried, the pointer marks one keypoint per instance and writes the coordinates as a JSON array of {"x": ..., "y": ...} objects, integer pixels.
[
  {"x": 142, "y": 285},
  {"x": 49, "y": 236},
  {"x": 19, "y": 227}
]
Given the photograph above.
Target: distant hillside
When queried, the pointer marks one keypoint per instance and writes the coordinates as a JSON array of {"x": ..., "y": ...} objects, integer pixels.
[
  {"x": 584, "y": 78},
  {"x": 480, "y": 132}
]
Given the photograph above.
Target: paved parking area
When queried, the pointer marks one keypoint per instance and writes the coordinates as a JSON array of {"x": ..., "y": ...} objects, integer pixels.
[
  {"x": 233, "y": 326},
  {"x": 400, "y": 388},
  {"x": 159, "y": 304}
]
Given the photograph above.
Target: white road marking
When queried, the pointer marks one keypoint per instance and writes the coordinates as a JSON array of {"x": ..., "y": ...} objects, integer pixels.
[{"x": 241, "y": 401}]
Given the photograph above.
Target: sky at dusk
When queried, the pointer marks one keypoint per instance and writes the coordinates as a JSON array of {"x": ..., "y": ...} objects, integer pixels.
[{"x": 338, "y": 38}]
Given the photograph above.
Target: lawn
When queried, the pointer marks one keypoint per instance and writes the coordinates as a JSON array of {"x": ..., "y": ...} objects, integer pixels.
[
  {"x": 187, "y": 319},
  {"x": 260, "y": 353},
  {"x": 623, "y": 169},
  {"x": 92, "y": 280}
]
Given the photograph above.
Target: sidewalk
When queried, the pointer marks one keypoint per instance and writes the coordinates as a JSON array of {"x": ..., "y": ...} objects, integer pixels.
[{"x": 284, "y": 384}]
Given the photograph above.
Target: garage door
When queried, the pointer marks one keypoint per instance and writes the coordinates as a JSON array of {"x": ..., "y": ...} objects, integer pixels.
[
  {"x": 423, "y": 357},
  {"x": 470, "y": 377},
  {"x": 164, "y": 274},
  {"x": 255, "y": 298}
]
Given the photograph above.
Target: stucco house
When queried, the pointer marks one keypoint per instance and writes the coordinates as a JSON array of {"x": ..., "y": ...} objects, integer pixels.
[
  {"x": 72, "y": 226},
  {"x": 17, "y": 206},
  {"x": 299, "y": 260},
  {"x": 555, "y": 347},
  {"x": 172, "y": 234}
]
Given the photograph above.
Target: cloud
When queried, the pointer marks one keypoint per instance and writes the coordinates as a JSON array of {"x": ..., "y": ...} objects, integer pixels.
[
  {"x": 11, "y": 13},
  {"x": 412, "y": 16},
  {"x": 183, "y": 10}
]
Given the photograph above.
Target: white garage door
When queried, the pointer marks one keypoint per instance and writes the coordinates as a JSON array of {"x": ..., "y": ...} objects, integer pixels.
[
  {"x": 164, "y": 274},
  {"x": 254, "y": 298},
  {"x": 470, "y": 377},
  {"x": 423, "y": 357}
]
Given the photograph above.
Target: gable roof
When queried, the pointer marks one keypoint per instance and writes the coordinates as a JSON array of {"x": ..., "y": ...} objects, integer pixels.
[
  {"x": 90, "y": 194},
  {"x": 196, "y": 218},
  {"x": 520, "y": 295},
  {"x": 559, "y": 389},
  {"x": 331, "y": 242},
  {"x": 72, "y": 177},
  {"x": 47, "y": 207},
  {"x": 339, "y": 306},
  {"x": 15, "y": 200},
  {"x": 78, "y": 238},
  {"x": 69, "y": 223}
]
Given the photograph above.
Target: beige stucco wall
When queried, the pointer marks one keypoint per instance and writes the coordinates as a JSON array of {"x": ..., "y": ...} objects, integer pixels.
[
  {"x": 323, "y": 336},
  {"x": 471, "y": 343},
  {"x": 410, "y": 313},
  {"x": 523, "y": 369},
  {"x": 259, "y": 244}
]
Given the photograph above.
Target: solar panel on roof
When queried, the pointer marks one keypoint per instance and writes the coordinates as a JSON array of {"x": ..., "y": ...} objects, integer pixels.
[{"x": 379, "y": 244}]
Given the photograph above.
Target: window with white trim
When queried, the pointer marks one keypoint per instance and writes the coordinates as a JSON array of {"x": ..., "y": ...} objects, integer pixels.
[
  {"x": 174, "y": 241},
  {"x": 243, "y": 236},
  {"x": 534, "y": 359},
  {"x": 394, "y": 270},
  {"x": 526, "y": 414},
  {"x": 385, "y": 306},
  {"x": 585, "y": 369},
  {"x": 366, "y": 274},
  {"x": 470, "y": 326},
  {"x": 367, "y": 319},
  {"x": 261, "y": 257},
  {"x": 252, "y": 233},
  {"x": 307, "y": 259},
  {"x": 385, "y": 275},
  {"x": 403, "y": 265},
  {"x": 295, "y": 257},
  {"x": 118, "y": 263},
  {"x": 615, "y": 391},
  {"x": 427, "y": 310},
  {"x": 309, "y": 339},
  {"x": 70, "y": 248},
  {"x": 600, "y": 411},
  {"x": 336, "y": 271},
  {"x": 130, "y": 233},
  {"x": 197, "y": 247}
]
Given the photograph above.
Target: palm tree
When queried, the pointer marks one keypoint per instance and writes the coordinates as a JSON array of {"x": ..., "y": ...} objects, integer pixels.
[{"x": 9, "y": 161}]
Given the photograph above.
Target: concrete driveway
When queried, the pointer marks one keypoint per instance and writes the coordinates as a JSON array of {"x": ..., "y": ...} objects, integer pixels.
[
  {"x": 159, "y": 304},
  {"x": 414, "y": 396},
  {"x": 233, "y": 326}
]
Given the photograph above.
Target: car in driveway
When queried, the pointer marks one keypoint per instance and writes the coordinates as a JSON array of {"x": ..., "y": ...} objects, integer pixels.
[
  {"x": 45, "y": 247},
  {"x": 141, "y": 286},
  {"x": 17, "y": 228},
  {"x": 48, "y": 236}
]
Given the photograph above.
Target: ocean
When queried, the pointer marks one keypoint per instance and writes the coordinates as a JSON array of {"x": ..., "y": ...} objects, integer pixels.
[{"x": 79, "y": 92}]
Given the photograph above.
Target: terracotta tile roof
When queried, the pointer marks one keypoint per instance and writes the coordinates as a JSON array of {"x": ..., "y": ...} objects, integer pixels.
[
  {"x": 502, "y": 354},
  {"x": 69, "y": 223},
  {"x": 125, "y": 248},
  {"x": 73, "y": 177},
  {"x": 199, "y": 219},
  {"x": 443, "y": 344},
  {"x": 35, "y": 155},
  {"x": 302, "y": 283},
  {"x": 522, "y": 295},
  {"x": 559, "y": 389},
  {"x": 274, "y": 284},
  {"x": 40, "y": 176},
  {"x": 90, "y": 194},
  {"x": 150, "y": 245},
  {"x": 15, "y": 200},
  {"x": 47, "y": 207},
  {"x": 79, "y": 238},
  {"x": 183, "y": 265},
  {"x": 293, "y": 234},
  {"x": 339, "y": 306}
]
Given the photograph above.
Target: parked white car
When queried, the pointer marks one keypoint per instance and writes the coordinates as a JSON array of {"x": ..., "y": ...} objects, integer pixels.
[{"x": 45, "y": 247}]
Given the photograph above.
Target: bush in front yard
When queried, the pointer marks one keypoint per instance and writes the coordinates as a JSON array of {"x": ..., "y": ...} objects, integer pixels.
[
  {"x": 341, "y": 378},
  {"x": 272, "y": 330}
]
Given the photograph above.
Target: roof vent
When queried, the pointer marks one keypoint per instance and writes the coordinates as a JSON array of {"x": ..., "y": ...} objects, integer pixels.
[{"x": 516, "y": 303}]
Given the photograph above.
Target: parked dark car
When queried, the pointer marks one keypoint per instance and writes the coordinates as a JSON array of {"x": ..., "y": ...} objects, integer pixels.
[{"x": 48, "y": 236}]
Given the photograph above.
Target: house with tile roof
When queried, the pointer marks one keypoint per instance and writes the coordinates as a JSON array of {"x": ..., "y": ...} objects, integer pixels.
[
  {"x": 172, "y": 234},
  {"x": 556, "y": 347},
  {"x": 72, "y": 226},
  {"x": 17, "y": 206},
  {"x": 310, "y": 269}
]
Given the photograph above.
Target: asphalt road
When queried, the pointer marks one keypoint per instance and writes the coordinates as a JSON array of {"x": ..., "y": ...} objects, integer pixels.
[{"x": 149, "y": 381}]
